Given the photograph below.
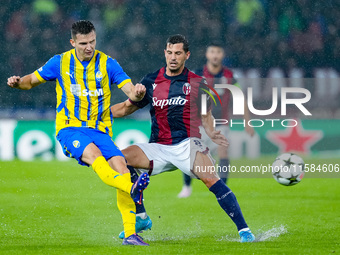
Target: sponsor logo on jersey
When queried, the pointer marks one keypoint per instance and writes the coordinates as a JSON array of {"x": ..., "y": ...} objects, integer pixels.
[
  {"x": 169, "y": 101},
  {"x": 154, "y": 85},
  {"x": 99, "y": 76},
  {"x": 77, "y": 91},
  {"x": 186, "y": 88}
]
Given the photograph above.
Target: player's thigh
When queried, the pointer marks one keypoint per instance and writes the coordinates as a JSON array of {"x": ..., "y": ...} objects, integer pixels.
[
  {"x": 76, "y": 142},
  {"x": 179, "y": 156},
  {"x": 156, "y": 158},
  {"x": 136, "y": 157},
  {"x": 207, "y": 141}
]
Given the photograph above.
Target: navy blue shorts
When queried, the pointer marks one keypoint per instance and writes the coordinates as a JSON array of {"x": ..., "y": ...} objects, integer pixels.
[{"x": 74, "y": 140}]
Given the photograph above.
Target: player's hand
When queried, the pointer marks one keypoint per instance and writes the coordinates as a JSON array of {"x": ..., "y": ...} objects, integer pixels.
[
  {"x": 13, "y": 81},
  {"x": 140, "y": 91},
  {"x": 218, "y": 138},
  {"x": 250, "y": 130}
]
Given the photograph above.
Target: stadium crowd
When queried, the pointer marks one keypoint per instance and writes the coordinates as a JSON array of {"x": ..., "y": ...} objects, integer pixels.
[{"x": 257, "y": 34}]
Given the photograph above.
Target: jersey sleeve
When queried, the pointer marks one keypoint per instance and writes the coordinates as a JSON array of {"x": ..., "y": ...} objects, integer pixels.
[
  {"x": 141, "y": 104},
  {"x": 49, "y": 71},
  {"x": 116, "y": 73}
]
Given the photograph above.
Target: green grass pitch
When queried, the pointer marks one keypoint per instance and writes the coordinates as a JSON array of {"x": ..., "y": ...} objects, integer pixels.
[{"x": 63, "y": 208}]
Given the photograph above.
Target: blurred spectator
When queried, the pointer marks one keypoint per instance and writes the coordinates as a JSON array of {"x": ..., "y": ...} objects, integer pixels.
[
  {"x": 113, "y": 15},
  {"x": 289, "y": 22},
  {"x": 45, "y": 7},
  {"x": 16, "y": 26},
  {"x": 248, "y": 11}
]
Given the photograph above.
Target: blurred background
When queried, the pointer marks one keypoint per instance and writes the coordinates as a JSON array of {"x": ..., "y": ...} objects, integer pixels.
[{"x": 262, "y": 38}]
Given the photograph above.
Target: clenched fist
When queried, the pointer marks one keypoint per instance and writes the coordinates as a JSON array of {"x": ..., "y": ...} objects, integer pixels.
[
  {"x": 140, "y": 91},
  {"x": 13, "y": 81}
]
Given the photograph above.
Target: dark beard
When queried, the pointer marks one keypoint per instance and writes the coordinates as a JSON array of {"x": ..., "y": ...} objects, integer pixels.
[{"x": 174, "y": 70}]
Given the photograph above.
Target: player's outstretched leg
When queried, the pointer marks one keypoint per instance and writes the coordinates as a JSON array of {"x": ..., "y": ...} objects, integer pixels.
[
  {"x": 228, "y": 202},
  {"x": 143, "y": 221},
  {"x": 186, "y": 189},
  {"x": 137, "y": 196},
  {"x": 110, "y": 176},
  {"x": 225, "y": 197}
]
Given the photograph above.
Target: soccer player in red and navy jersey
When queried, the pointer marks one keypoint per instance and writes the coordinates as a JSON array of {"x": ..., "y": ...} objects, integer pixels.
[
  {"x": 215, "y": 73},
  {"x": 172, "y": 94}
]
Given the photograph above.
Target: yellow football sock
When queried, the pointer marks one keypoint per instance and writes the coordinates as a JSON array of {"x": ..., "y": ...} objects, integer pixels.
[
  {"x": 127, "y": 208},
  {"x": 110, "y": 176}
]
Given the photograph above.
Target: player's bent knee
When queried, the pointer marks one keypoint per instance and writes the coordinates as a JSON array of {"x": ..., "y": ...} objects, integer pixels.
[
  {"x": 210, "y": 181},
  {"x": 135, "y": 157},
  {"x": 90, "y": 153}
]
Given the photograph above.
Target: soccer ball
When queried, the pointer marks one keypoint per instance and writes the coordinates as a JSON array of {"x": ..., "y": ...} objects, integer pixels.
[{"x": 288, "y": 169}]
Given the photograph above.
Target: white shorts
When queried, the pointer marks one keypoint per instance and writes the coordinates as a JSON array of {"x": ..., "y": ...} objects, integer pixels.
[
  {"x": 171, "y": 157},
  {"x": 206, "y": 139}
]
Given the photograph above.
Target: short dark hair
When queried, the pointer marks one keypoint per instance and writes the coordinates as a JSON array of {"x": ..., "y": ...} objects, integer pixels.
[
  {"x": 83, "y": 27},
  {"x": 215, "y": 44},
  {"x": 178, "y": 39}
]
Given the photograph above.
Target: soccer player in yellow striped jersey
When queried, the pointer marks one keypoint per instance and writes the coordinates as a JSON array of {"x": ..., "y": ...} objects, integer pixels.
[{"x": 84, "y": 77}]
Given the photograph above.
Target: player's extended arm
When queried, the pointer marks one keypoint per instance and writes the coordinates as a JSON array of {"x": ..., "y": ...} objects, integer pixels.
[
  {"x": 123, "y": 109},
  {"x": 215, "y": 136},
  {"x": 249, "y": 129},
  {"x": 135, "y": 93},
  {"x": 27, "y": 82}
]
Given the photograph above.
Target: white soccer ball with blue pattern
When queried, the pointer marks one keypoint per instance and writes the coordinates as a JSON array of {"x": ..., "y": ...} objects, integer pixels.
[{"x": 288, "y": 169}]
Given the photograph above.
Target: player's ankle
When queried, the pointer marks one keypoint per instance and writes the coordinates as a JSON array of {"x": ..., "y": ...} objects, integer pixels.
[
  {"x": 244, "y": 229},
  {"x": 142, "y": 215}
]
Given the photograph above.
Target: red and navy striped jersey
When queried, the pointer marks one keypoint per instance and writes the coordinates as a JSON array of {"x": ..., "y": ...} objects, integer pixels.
[
  {"x": 225, "y": 76},
  {"x": 174, "y": 105}
]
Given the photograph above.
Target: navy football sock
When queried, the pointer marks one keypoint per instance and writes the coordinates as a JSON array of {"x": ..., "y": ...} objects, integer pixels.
[
  {"x": 134, "y": 176},
  {"x": 187, "y": 180},
  {"x": 224, "y": 164},
  {"x": 227, "y": 200}
]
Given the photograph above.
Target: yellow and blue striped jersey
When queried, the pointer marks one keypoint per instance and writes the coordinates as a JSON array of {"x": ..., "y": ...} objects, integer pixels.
[{"x": 83, "y": 89}]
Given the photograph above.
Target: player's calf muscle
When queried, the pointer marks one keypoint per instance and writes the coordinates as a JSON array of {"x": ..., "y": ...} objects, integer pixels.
[{"x": 118, "y": 164}]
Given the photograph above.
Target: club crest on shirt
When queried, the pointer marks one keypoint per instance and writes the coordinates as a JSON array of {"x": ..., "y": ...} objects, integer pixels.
[
  {"x": 186, "y": 88},
  {"x": 76, "y": 144},
  {"x": 99, "y": 76}
]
